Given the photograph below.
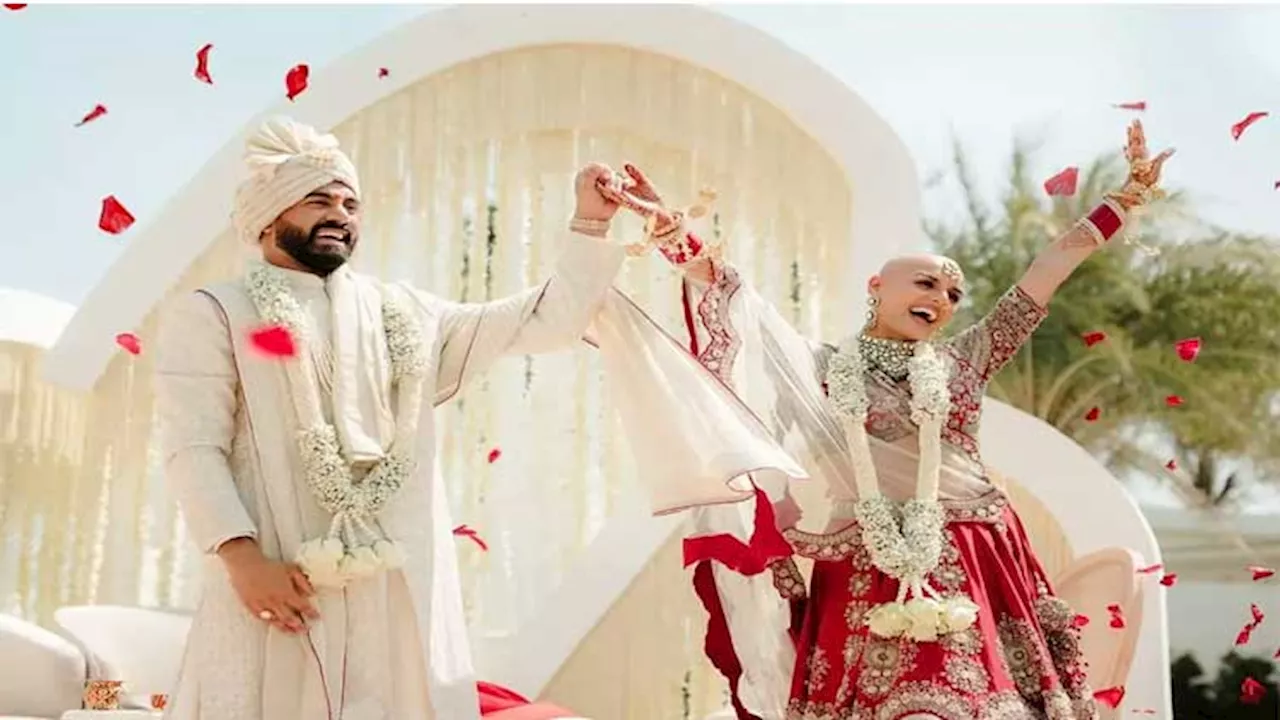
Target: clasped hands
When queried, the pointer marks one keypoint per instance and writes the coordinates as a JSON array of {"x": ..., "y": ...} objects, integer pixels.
[
  {"x": 601, "y": 192},
  {"x": 1144, "y": 172}
]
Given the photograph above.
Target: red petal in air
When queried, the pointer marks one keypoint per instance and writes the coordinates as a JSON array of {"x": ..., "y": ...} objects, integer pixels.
[
  {"x": 1252, "y": 691},
  {"x": 274, "y": 340},
  {"x": 494, "y": 454},
  {"x": 1238, "y": 129},
  {"x": 97, "y": 112},
  {"x": 1169, "y": 580},
  {"x": 1173, "y": 401},
  {"x": 464, "y": 531},
  {"x": 383, "y": 72},
  {"x": 1256, "y": 612},
  {"x": 129, "y": 342},
  {"x": 1276, "y": 656},
  {"x": 1261, "y": 573},
  {"x": 1188, "y": 349},
  {"x": 1111, "y": 697},
  {"x": 1117, "y": 616},
  {"x": 1140, "y": 106},
  {"x": 1242, "y": 637},
  {"x": 1093, "y": 338},
  {"x": 295, "y": 81},
  {"x": 1150, "y": 569},
  {"x": 202, "y": 64},
  {"x": 1079, "y": 621},
  {"x": 114, "y": 218},
  {"x": 1064, "y": 183},
  {"x": 1276, "y": 186},
  {"x": 14, "y": 6},
  {"x": 1093, "y": 415}
]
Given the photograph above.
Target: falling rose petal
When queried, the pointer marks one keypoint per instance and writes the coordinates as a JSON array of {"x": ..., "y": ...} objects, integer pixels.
[
  {"x": 114, "y": 219},
  {"x": 1140, "y": 106},
  {"x": 1093, "y": 338},
  {"x": 1238, "y": 129},
  {"x": 1117, "y": 616},
  {"x": 97, "y": 112},
  {"x": 1276, "y": 656},
  {"x": 1276, "y": 186},
  {"x": 1261, "y": 573},
  {"x": 464, "y": 531},
  {"x": 1093, "y": 415},
  {"x": 295, "y": 81},
  {"x": 130, "y": 343},
  {"x": 202, "y": 64},
  {"x": 274, "y": 340},
  {"x": 383, "y": 72},
  {"x": 1079, "y": 621},
  {"x": 1111, "y": 697},
  {"x": 1188, "y": 349},
  {"x": 14, "y": 6},
  {"x": 1256, "y": 612},
  {"x": 1150, "y": 570},
  {"x": 1252, "y": 691},
  {"x": 1171, "y": 466},
  {"x": 1173, "y": 401},
  {"x": 1242, "y": 637},
  {"x": 494, "y": 454},
  {"x": 1064, "y": 183},
  {"x": 1169, "y": 580}
]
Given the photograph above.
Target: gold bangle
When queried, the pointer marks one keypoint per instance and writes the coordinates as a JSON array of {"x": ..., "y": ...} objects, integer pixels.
[{"x": 590, "y": 226}]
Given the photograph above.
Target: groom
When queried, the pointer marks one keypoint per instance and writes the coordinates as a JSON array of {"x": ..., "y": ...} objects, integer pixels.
[{"x": 295, "y": 405}]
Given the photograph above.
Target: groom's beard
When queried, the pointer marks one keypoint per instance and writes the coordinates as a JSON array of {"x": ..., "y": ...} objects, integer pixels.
[{"x": 321, "y": 257}]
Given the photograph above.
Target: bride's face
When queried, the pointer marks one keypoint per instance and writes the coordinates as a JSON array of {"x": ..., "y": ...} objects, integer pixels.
[{"x": 918, "y": 296}]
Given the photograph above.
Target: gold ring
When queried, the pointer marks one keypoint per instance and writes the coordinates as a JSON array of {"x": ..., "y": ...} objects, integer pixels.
[{"x": 266, "y": 615}]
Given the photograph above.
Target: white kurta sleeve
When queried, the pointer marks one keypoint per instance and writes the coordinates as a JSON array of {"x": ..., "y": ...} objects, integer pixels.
[
  {"x": 551, "y": 316},
  {"x": 196, "y": 401}
]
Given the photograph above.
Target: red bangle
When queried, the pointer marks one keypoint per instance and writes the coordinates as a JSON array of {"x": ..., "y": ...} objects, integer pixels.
[
  {"x": 1104, "y": 222},
  {"x": 683, "y": 251}
]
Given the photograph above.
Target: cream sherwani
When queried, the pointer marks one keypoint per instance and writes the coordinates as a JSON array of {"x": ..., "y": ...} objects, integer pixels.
[{"x": 389, "y": 648}]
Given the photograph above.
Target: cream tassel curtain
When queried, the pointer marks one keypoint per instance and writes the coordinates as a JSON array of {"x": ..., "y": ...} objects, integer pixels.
[{"x": 467, "y": 177}]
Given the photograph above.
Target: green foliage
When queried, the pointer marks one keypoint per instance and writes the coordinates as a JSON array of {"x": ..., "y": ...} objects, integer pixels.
[
  {"x": 1200, "y": 282},
  {"x": 1196, "y": 697}
]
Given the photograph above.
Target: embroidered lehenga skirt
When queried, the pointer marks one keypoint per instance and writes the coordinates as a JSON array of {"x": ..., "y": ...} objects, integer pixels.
[{"x": 1021, "y": 659}]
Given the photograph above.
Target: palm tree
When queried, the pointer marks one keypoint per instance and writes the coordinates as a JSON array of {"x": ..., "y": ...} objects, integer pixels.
[{"x": 1195, "y": 281}]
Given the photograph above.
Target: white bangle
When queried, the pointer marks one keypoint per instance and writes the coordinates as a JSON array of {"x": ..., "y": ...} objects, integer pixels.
[{"x": 589, "y": 226}]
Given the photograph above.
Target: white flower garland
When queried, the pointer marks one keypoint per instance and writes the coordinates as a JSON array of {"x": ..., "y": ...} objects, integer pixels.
[
  {"x": 909, "y": 549},
  {"x": 354, "y": 547}
]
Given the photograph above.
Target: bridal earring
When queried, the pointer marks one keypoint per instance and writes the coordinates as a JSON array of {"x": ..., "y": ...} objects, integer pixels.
[{"x": 872, "y": 303}]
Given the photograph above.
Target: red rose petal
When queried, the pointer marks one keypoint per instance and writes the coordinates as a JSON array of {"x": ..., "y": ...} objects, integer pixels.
[
  {"x": 1276, "y": 186},
  {"x": 1256, "y": 612},
  {"x": 1173, "y": 401},
  {"x": 494, "y": 454},
  {"x": 1149, "y": 570},
  {"x": 1238, "y": 129},
  {"x": 1276, "y": 656},
  {"x": 1261, "y": 573},
  {"x": 383, "y": 72},
  {"x": 97, "y": 112},
  {"x": 1188, "y": 349},
  {"x": 1117, "y": 616},
  {"x": 202, "y": 64},
  {"x": 1140, "y": 106},
  {"x": 1252, "y": 691},
  {"x": 1064, "y": 183},
  {"x": 295, "y": 81},
  {"x": 274, "y": 340},
  {"x": 464, "y": 531},
  {"x": 1079, "y": 621},
  {"x": 1093, "y": 338},
  {"x": 1171, "y": 465},
  {"x": 14, "y": 6},
  {"x": 1111, "y": 697},
  {"x": 1242, "y": 637},
  {"x": 1093, "y": 415},
  {"x": 129, "y": 342},
  {"x": 114, "y": 219},
  {"x": 1169, "y": 580}
]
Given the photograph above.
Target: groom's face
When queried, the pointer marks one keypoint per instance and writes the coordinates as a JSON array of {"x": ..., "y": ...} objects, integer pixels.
[{"x": 320, "y": 232}]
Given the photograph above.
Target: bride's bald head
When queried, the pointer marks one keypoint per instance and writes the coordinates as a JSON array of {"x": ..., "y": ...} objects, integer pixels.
[{"x": 914, "y": 296}]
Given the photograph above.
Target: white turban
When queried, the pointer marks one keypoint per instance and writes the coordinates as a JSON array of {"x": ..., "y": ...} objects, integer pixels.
[{"x": 287, "y": 161}]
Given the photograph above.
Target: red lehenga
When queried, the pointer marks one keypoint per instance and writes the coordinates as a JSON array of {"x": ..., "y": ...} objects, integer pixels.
[{"x": 1021, "y": 660}]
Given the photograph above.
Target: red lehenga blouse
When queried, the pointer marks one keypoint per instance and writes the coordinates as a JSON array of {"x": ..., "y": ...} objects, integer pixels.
[{"x": 1021, "y": 660}]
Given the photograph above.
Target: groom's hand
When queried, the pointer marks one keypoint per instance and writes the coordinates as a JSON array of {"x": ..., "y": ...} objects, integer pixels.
[
  {"x": 274, "y": 592},
  {"x": 592, "y": 203}
]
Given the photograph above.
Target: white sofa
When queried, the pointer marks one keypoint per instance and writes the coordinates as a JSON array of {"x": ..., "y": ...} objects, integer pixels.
[{"x": 43, "y": 673}]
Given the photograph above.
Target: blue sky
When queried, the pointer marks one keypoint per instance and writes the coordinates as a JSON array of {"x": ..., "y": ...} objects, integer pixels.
[{"x": 981, "y": 74}]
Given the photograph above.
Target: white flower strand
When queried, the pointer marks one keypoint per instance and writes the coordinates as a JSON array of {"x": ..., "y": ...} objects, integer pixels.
[
  {"x": 909, "y": 549},
  {"x": 353, "y": 548}
]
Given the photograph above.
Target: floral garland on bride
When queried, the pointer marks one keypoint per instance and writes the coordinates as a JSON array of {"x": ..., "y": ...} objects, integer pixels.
[
  {"x": 355, "y": 547},
  {"x": 907, "y": 549}
]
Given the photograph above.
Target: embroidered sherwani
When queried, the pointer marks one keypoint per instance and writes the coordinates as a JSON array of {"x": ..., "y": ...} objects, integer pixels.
[{"x": 387, "y": 648}]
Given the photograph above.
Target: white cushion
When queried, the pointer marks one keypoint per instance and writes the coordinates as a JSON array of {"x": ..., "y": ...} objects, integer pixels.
[
  {"x": 141, "y": 647},
  {"x": 43, "y": 673}
]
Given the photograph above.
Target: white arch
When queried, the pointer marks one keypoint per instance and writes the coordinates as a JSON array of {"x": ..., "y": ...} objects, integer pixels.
[{"x": 880, "y": 171}]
